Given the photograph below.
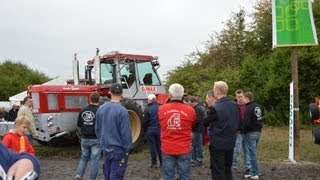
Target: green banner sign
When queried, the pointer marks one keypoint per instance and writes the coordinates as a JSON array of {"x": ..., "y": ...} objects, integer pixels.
[{"x": 292, "y": 23}]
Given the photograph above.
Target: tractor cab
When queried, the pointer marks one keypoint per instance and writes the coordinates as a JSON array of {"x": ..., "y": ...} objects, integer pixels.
[{"x": 137, "y": 74}]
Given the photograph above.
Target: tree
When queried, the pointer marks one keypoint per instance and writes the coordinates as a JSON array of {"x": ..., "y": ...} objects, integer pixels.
[
  {"x": 244, "y": 58},
  {"x": 16, "y": 77}
]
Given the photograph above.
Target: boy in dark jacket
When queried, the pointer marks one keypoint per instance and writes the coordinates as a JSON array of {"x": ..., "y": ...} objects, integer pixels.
[{"x": 252, "y": 133}]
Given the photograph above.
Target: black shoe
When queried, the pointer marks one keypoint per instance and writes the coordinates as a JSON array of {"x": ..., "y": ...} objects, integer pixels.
[{"x": 153, "y": 166}]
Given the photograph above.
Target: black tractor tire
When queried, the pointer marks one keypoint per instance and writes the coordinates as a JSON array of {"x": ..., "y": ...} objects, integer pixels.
[
  {"x": 313, "y": 111},
  {"x": 316, "y": 135},
  {"x": 136, "y": 122}
]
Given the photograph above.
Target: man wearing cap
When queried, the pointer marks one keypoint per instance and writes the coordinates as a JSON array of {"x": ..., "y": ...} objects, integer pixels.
[
  {"x": 153, "y": 130},
  {"x": 114, "y": 134}
]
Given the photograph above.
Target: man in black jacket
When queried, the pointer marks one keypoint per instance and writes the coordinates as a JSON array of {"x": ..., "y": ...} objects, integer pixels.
[
  {"x": 197, "y": 131},
  {"x": 224, "y": 118},
  {"x": 13, "y": 113},
  {"x": 252, "y": 133},
  {"x": 90, "y": 147}
]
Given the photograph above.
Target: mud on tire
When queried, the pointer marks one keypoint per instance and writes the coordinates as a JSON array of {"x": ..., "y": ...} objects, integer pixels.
[{"x": 136, "y": 122}]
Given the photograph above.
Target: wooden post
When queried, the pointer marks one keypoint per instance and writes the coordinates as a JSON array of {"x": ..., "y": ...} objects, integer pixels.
[{"x": 294, "y": 75}]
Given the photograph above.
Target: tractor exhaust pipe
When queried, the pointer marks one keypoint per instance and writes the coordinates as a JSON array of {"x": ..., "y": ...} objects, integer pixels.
[
  {"x": 75, "y": 64},
  {"x": 97, "y": 67}
]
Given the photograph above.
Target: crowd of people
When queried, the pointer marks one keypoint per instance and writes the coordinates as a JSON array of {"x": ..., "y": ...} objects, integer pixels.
[
  {"x": 175, "y": 132},
  {"x": 9, "y": 116}
]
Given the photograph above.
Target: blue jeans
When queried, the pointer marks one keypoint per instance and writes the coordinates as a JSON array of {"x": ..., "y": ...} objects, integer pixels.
[
  {"x": 153, "y": 139},
  {"x": 90, "y": 149},
  {"x": 237, "y": 148},
  {"x": 115, "y": 164},
  {"x": 197, "y": 147},
  {"x": 181, "y": 162},
  {"x": 251, "y": 140}
]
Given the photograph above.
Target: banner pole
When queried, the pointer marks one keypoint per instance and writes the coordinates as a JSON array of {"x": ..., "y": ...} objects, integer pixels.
[{"x": 294, "y": 74}]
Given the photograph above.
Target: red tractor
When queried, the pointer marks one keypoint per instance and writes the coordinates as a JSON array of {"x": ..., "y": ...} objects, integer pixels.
[
  {"x": 315, "y": 117},
  {"x": 56, "y": 107}
]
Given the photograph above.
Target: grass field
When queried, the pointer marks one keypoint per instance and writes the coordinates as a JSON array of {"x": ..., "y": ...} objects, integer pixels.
[
  {"x": 274, "y": 145},
  {"x": 272, "y": 148}
]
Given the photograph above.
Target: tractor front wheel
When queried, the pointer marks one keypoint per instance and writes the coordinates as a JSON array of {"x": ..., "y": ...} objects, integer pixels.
[{"x": 136, "y": 122}]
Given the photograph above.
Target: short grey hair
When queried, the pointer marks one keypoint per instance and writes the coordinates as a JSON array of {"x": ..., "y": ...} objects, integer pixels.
[{"x": 176, "y": 91}]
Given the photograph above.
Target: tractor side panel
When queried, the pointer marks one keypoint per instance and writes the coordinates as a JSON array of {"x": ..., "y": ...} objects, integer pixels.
[{"x": 49, "y": 125}]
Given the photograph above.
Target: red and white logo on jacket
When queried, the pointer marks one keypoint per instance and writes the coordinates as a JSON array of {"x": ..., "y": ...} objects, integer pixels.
[{"x": 174, "y": 122}]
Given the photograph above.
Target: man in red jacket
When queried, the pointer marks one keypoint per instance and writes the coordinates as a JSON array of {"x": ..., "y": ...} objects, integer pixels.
[{"x": 176, "y": 122}]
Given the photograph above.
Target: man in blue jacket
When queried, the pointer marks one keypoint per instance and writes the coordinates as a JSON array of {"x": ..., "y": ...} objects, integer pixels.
[
  {"x": 114, "y": 134},
  {"x": 18, "y": 165},
  {"x": 153, "y": 130},
  {"x": 224, "y": 118}
]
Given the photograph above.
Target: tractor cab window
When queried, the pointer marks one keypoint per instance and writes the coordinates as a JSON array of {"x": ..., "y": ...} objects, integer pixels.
[
  {"x": 52, "y": 101},
  {"x": 72, "y": 102},
  {"x": 127, "y": 72},
  {"x": 107, "y": 71},
  {"x": 36, "y": 100},
  {"x": 147, "y": 74}
]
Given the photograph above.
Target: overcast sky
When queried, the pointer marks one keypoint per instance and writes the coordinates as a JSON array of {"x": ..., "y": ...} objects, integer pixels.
[{"x": 45, "y": 34}]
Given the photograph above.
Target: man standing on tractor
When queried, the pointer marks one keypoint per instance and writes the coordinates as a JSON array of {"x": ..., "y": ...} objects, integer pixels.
[
  {"x": 25, "y": 110},
  {"x": 176, "y": 122},
  {"x": 114, "y": 134},
  {"x": 90, "y": 147}
]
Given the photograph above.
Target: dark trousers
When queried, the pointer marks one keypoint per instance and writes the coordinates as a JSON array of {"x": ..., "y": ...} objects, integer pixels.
[
  {"x": 221, "y": 162},
  {"x": 153, "y": 139},
  {"x": 115, "y": 164}
]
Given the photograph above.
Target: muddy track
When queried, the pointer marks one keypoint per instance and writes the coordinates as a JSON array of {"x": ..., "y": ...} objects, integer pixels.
[{"x": 65, "y": 168}]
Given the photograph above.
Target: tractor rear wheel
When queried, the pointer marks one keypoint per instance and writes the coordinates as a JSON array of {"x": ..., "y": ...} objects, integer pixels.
[
  {"x": 313, "y": 111},
  {"x": 136, "y": 122},
  {"x": 316, "y": 135}
]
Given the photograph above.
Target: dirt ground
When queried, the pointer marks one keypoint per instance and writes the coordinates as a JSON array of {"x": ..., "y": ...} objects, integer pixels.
[{"x": 65, "y": 168}]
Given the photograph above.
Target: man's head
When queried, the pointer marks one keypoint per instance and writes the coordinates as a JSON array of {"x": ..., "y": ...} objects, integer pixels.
[
  {"x": 116, "y": 89},
  {"x": 239, "y": 96},
  {"x": 193, "y": 101},
  {"x": 186, "y": 99},
  {"x": 176, "y": 91},
  {"x": 151, "y": 98},
  {"x": 248, "y": 97},
  {"x": 28, "y": 101},
  {"x": 14, "y": 106},
  {"x": 210, "y": 99},
  {"x": 220, "y": 89},
  {"x": 94, "y": 97},
  {"x": 21, "y": 124}
]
